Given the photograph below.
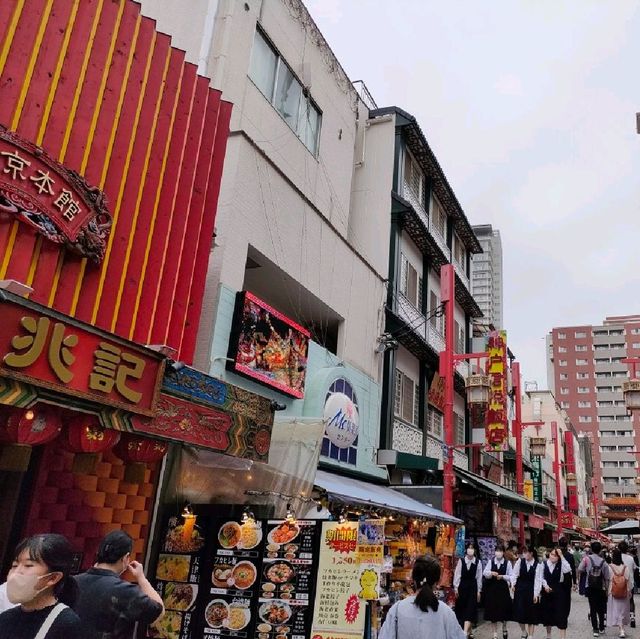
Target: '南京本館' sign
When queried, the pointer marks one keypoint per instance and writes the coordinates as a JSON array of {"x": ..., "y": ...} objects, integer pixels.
[{"x": 51, "y": 198}]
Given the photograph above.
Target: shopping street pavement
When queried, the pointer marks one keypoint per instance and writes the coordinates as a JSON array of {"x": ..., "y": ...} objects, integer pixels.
[{"x": 579, "y": 625}]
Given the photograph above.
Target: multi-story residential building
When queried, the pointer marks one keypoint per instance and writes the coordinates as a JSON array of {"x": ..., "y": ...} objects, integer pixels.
[
  {"x": 586, "y": 370},
  {"x": 486, "y": 278}
]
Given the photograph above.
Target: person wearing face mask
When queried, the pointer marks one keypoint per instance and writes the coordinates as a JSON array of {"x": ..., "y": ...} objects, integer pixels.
[
  {"x": 109, "y": 606},
  {"x": 497, "y": 599},
  {"x": 40, "y": 586},
  {"x": 467, "y": 583},
  {"x": 554, "y": 606},
  {"x": 526, "y": 581}
]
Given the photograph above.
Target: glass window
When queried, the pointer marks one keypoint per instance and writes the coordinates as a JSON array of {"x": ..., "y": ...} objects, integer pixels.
[
  {"x": 309, "y": 125},
  {"x": 264, "y": 62},
  {"x": 288, "y": 94}
]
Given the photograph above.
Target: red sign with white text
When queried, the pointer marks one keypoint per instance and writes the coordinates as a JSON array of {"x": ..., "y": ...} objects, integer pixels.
[{"x": 50, "y": 351}]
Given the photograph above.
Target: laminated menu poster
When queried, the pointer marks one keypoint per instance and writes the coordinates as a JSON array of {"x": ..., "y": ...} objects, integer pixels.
[
  {"x": 338, "y": 612},
  {"x": 287, "y": 580},
  {"x": 178, "y": 577},
  {"x": 228, "y": 605}
]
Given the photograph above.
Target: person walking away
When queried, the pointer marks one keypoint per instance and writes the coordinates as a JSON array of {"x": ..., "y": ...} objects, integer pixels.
[
  {"x": 422, "y": 616},
  {"x": 568, "y": 584},
  {"x": 554, "y": 607},
  {"x": 467, "y": 584},
  {"x": 620, "y": 585},
  {"x": 630, "y": 563},
  {"x": 597, "y": 574},
  {"x": 107, "y": 604},
  {"x": 526, "y": 580},
  {"x": 39, "y": 581},
  {"x": 496, "y": 592}
]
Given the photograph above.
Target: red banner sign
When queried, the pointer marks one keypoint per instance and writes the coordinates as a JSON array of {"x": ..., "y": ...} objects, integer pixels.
[
  {"x": 568, "y": 520},
  {"x": 343, "y": 539},
  {"x": 537, "y": 522},
  {"x": 497, "y": 425},
  {"x": 52, "y": 351},
  {"x": 54, "y": 200}
]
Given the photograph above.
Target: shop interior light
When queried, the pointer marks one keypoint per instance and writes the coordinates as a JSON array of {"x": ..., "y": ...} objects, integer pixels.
[
  {"x": 30, "y": 415},
  {"x": 291, "y": 515},
  {"x": 248, "y": 517},
  {"x": 189, "y": 522}
]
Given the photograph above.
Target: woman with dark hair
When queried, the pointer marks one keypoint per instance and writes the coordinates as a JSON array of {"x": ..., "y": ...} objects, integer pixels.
[
  {"x": 526, "y": 581},
  {"x": 620, "y": 586},
  {"x": 497, "y": 598},
  {"x": 554, "y": 606},
  {"x": 109, "y": 605},
  {"x": 40, "y": 581},
  {"x": 467, "y": 583},
  {"x": 422, "y": 616}
]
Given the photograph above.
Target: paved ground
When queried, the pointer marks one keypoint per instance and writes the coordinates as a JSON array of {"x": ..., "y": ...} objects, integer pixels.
[{"x": 579, "y": 625}]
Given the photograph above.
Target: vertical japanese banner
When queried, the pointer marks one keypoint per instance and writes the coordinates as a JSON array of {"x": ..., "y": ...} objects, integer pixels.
[
  {"x": 338, "y": 612},
  {"x": 497, "y": 423},
  {"x": 370, "y": 557}
]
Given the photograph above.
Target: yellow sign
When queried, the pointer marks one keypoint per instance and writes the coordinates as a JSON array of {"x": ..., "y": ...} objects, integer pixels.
[{"x": 528, "y": 489}]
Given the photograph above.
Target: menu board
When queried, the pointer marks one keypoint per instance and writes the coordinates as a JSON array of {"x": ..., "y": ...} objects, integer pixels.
[
  {"x": 338, "y": 611},
  {"x": 177, "y": 578},
  {"x": 287, "y": 580},
  {"x": 229, "y": 607}
]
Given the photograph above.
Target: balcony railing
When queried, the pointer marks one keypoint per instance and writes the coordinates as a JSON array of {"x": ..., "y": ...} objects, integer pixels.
[
  {"x": 410, "y": 196},
  {"x": 412, "y": 316},
  {"x": 461, "y": 274},
  {"x": 435, "y": 339}
]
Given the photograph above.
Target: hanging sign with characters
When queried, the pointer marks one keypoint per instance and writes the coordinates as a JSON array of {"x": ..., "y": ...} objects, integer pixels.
[
  {"x": 47, "y": 350},
  {"x": 497, "y": 425},
  {"x": 51, "y": 198}
]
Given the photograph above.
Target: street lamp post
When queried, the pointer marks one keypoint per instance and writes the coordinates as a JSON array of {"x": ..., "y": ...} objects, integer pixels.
[{"x": 556, "y": 472}]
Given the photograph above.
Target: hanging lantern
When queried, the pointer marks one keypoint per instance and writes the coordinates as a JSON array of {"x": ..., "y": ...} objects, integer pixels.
[
  {"x": 538, "y": 446},
  {"x": 38, "y": 425},
  {"x": 571, "y": 479},
  {"x": 478, "y": 387},
  {"x": 86, "y": 438},
  {"x": 136, "y": 452},
  {"x": 631, "y": 393}
]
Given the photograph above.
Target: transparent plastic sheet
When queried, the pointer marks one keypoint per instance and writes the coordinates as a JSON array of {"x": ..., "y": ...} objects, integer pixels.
[{"x": 202, "y": 476}]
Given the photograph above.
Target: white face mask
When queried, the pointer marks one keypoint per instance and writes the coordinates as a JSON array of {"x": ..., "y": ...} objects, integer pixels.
[
  {"x": 21, "y": 589},
  {"x": 499, "y": 554},
  {"x": 470, "y": 552}
]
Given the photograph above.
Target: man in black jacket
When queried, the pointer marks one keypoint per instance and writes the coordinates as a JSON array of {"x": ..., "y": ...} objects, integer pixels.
[{"x": 108, "y": 605}]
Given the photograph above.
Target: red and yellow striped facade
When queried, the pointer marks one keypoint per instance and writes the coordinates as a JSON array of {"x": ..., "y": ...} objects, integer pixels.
[{"x": 94, "y": 84}]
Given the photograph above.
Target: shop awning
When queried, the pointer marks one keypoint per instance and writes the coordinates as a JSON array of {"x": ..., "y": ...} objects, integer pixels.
[
  {"x": 506, "y": 498},
  {"x": 354, "y": 491}
]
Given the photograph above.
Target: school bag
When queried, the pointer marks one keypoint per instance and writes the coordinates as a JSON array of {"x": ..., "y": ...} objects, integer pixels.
[
  {"x": 595, "y": 578},
  {"x": 619, "y": 585}
]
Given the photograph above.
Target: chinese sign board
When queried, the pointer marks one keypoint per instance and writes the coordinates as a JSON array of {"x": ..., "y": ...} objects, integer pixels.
[
  {"x": 54, "y": 200},
  {"x": 497, "y": 425},
  {"x": 370, "y": 557},
  {"x": 268, "y": 347},
  {"x": 38, "y": 348},
  {"x": 436, "y": 392},
  {"x": 339, "y": 611}
]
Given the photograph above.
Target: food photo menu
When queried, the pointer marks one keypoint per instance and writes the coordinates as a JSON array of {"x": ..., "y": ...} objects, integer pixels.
[{"x": 287, "y": 585}]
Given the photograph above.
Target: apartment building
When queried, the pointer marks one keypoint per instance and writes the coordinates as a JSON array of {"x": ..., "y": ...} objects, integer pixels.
[
  {"x": 486, "y": 278},
  {"x": 586, "y": 371}
]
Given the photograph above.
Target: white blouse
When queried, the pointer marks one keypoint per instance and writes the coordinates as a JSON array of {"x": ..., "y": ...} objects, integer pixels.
[
  {"x": 488, "y": 569},
  {"x": 537, "y": 583},
  {"x": 565, "y": 568},
  {"x": 457, "y": 573}
]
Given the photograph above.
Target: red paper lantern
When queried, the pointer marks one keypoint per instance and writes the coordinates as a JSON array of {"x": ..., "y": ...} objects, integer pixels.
[
  {"x": 34, "y": 426},
  {"x": 133, "y": 449},
  {"x": 85, "y": 435}
]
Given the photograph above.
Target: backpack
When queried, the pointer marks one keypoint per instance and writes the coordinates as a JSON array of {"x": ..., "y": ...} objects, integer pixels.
[
  {"x": 619, "y": 585},
  {"x": 595, "y": 578}
]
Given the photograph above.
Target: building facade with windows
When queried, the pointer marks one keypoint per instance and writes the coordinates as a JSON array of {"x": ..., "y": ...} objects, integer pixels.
[
  {"x": 585, "y": 368},
  {"x": 293, "y": 227},
  {"x": 486, "y": 278}
]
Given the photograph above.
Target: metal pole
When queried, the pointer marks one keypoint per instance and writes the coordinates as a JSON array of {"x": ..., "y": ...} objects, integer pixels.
[
  {"x": 517, "y": 432},
  {"x": 447, "y": 372},
  {"x": 556, "y": 471}
]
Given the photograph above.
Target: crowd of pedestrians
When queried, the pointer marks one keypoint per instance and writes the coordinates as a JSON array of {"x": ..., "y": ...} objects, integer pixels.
[{"x": 521, "y": 585}]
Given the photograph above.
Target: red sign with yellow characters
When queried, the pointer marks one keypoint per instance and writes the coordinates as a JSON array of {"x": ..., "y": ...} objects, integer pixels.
[
  {"x": 497, "y": 425},
  {"x": 51, "y": 351}
]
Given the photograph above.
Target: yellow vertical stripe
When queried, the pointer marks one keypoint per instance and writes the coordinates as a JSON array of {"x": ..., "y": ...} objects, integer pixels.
[
  {"x": 173, "y": 204},
  {"x": 56, "y": 279},
  {"x": 7, "y": 255},
  {"x": 26, "y": 82},
  {"x": 123, "y": 180},
  {"x": 11, "y": 31},
  {"x": 136, "y": 210},
  {"x": 56, "y": 74},
  {"x": 79, "y": 86},
  {"x": 76, "y": 292},
  {"x": 34, "y": 260},
  {"x": 156, "y": 203},
  {"x": 103, "y": 83}
]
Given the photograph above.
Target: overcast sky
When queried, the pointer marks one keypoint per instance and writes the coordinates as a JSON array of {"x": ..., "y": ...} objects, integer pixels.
[{"x": 529, "y": 106}]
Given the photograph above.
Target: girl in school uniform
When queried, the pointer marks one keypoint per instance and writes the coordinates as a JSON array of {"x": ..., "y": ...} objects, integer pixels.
[
  {"x": 496, "y": 593},
  {"x": 526, "y": 580},
  {"x": 554, "y": 605},
  {"x": 467, "y": 583}
]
